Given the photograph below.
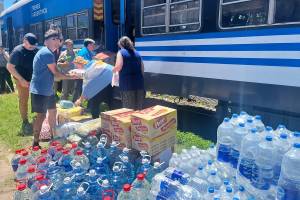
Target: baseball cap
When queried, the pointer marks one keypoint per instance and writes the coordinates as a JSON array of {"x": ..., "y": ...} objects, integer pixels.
[{"x": 31, "y": 38}]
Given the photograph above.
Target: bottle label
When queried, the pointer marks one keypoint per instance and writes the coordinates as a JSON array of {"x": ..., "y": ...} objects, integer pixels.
[
  {"x": 224, "y": 153},
  {"x": 262, "y": 177},
  {"x": 245, "y": 167},
  {"x": 234, "y": 158},
  {"x": 288, "y": 193}
]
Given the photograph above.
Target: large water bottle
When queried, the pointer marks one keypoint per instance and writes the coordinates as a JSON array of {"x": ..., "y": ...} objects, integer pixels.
[
  {"x": 100, "y": 150},
  {"x": 199, "y": 184},
  {"x": 107, "y": 190},
  {"x": 113, "y": 153},
  {"x": 267, "y": 132},
  {"x": 52, "y": 148},
  {"x": 247, "y": 158},
  {"x": 28, "y": 157},
  {"x": 44, "y": 153},
  {"x": 39, "y": 181},
  {"x": 128, "y": 169},
  {"x": 263, "y": 169},
  {"x": 224, "y": 140},
  {"x": 21, "y": 172},
  {"x": 125, "y": 152},
  {"x": 282, "y": 129},
  {"x": 162, "y": 186},
  {"x": 289, "y": 181},
  {"x": 65, "y": 161},
  {"x": 239, "y": 133},
  {"x": 87, "y": 150},
  {"x": 31, "y": 173},
  {"x": 174, "y": 161},
  {"x": 139, "y": 160},
  {"x": 295, "y": 137},
  {"x": 78, "y": 171},
  {"x": 146, "y": 165},
  {"x": 243, "y": 117},
  {"x": 214, "y": 180},
  {"x": 241, "y": 193},
  {"x": 141, "y": 187},
  {"x": 68, "y": 189},
  {"x": 228, "y": 195},
  {"x": 226, "y": 183},
  {"x": 249, "y": 124},
  {"x": 82, "y": 159},
  {"x": 92, "y": 138},
  {"x": 74, "y": 148},
  {"x": 58, "y": 153},
  {"x": 35, "y": 152},
  {"x": 22, "y": 193},
  {"x": 186, "y": 164},
  {"x": 44, "y": 193},
  {"x": 118, "y": 178},
  {"x": 15, "y": 159},
  {"x": 127, "y": 193},
  {"x": 234, "y": 120},
  {"x": 200, "y": 173},
  {"x": 82, "y": 192},
  {"x": 101, "y": 168},
  {"x": 282, "y": 146},
  {"x": 55, "y": 174},
  {"x": 42, "y": 164},
  {"x": 94, "y": 190},
  {"x": 174, "y": 174},
  {"x": 259, "y": 125},
  {"x": 157, "y": 168}
]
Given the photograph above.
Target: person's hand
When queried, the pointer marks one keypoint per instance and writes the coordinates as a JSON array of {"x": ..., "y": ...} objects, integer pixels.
[
  {"x": 78, "y": 102},
  {"x": 24, "y": 83}
]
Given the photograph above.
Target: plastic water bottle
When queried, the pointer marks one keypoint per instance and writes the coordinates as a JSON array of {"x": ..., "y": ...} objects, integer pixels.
[
  {"x": 22, "y": 193},
  {"x": 101, "y": 168},
  {"x": 155, "y": 195},
  {"x": 87, "y": 150},
  {"x": 78, "y": 171},
  {"x": 162, "y": 186},
  {"x": 15, "y": 159},
  {"x": 288, "y": 184},
  {"x": 262, "y": 174},
  {"x": 55, "y": 174},
  {"x": 93, "y": 188},
  {"x": 138, "y": 162},
  {"x": 82, "y": 159},
  {"x": 58, "y": 153},
  {"x": 234, "y": 120},
  {"x": 243, "y": 117},
  {"x": 39, "y": 181},
  {"x": 113, "y": 153},
  {"x": 107, "y": 190},
  {"x": 118, "y": 178},
  {"x": 186, "y": 164},
  {"x": 81, "y": 193},
  {"x": 100, "y": 151},
  {"x": 65, "y": 161},
  {"x": 92, "y": 138},
  {"x": 199, "y": 184},
  {"x": 249, "y": 124},
  {"x": 68, "y": 189},
  {"x": 282, "y": 146},
  {"x": 74, "y": 149},
  {"x": 258, "y": 124},
  {"x": 128, "y": 169},
  {"x": 226, "y": 183},
  {"x": 177, "y": 175},
  {"x": 174, "y": 160},
  {"x": 31, "y": 174},
  {"x": 210, "y": 193},
  {"x": 239, "y": 133},
  {"x": 228, "y": 195},
  {"x": 214, "y": 180},
  {"x": 141, "y": 187},
  {"x": 247, "y": 158},
  {"x": 295, "y": 137},
  {"x": 127, "y": 193},
  {"x": 153, "y": 171},
  {"x": 44, "y": 153},
  {"x": 212, "y": 151},
  {"x": 35, "y": 152},
  {"x": 281, "y": 129},
  {"x": 28, "y": 157},
  {"x": 125, "y": 152},
  {"x": 21, "y": 172},
  {"x": 267, "y": 132},
  {"x": 45, "y": 194},
  {"x": 224, "y": 140},
  {"x": 52, "y": 148},
  {"x": 188, "y": 193},
  {"x": 241, "y": 193},
  {"x": 146, "y": 165},
  {"x": 209, "y": 167},
  {"x": 42, "y": 164}
]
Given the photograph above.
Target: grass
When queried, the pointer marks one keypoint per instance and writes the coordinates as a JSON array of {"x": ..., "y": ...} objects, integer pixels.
[{"x": 10, "y": 124}]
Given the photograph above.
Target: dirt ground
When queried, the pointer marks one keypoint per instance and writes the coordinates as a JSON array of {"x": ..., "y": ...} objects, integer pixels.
[{"x": 7, "y": 185}]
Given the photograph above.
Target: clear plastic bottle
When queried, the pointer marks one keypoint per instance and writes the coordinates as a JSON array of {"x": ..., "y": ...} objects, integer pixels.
[
  {"x": 223, "y": 188},
  {"x": 259, "y": 125},
  {"x": 65, "y": 160},
  {"x": 39, "y": 181},
  {"x": 28, "y": 157},
  {"x": 224, "y": 140},
  {"x": 42, "y": 164},
  {"x": 55, "y": 174},
  {"x": 199, "y": 184},
  {"x": 234, "y": 120},
  {"x": 200, "y": 173},
  {"x": 101, "y": 168},
  {"x": 214, "y": 180},
  {"x": 174, "y": 174},
  {"x": 141, "y": 187},
  {"x": 58, "y": 153},
  {"x": 93, "y": 188},
  {"x": 44, "y": 193},
  {"x": 239, "y": 133},
  {"x": 78, "y": 171},
  {"x": 31, "y": 174},
  {"x": 127, "y": 193},
  {"x": 241, "y": 194},
  {"x": 118, "y": 178},
  {"x": 82, "y": 159},
  {"x": 16, "y": 158},
  {"x": 165, "y": 187},
  {"x": 82, "y": 192},
  {"x": 35, "y": 152},
  {"x": 22, "y": 193},
  {"x": 21, "y": 172},
  {"x": 100, "y": 151},
  {"x": 107, "y": 190},
  {"x": 146, "y": 165},
  {"x": 68, "y": 189},
  {"x": 113, "y": 153},
  {"x": 92, "y": 138},
  {"x": 174, "y": 160},
  {"x": 128, "y": 169},
  {"x": 249, "y": 124},
  {"x": 289, "y": 184},
  {"x": 229, "y": 194}
]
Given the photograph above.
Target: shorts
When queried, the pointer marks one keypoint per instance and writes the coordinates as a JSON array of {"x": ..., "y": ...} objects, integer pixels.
[{"x": 41, "y": 103}]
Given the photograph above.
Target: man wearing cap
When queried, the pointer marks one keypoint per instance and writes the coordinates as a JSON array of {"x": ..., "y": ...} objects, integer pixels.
[
  {"x": 20, "y": 66},
  {"x": 41, "y": 85}
]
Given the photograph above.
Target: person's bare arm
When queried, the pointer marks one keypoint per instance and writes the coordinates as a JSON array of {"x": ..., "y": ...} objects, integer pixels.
[
  {"x": 57, "y": 74},
  {"x": 119, "y": 63},
  {"x": 12, "y": 70},
  {"x": 143, "y": 67},
  {"x": 6, "y": 56}
]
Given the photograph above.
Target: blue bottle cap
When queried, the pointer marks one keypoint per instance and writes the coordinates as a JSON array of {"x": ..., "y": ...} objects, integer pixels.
[
  {"x": 234, "y": 115},
  {"x": 212, "y": 145},
  {"x": 243, "y": 113},
  {"x": 200, "y": 167},
  {"x": 297, "y": 145},
  {"x": 241, "y": 188},
  {"x": 228, "y": 189},
  {"x": 258, "y": 117},
  {"x": 211, "y": 190},
  {"x": 216, "y": 198},
  {"x": 226, "y": 119},
  {"x": 280, "y": 126},
  {"x": 269, "y": 128},
  {"x": 296, "y": 134},
  {"x": 236, "y": 198},
  {"x": 283, "y": 136},
  {"x": 253, "y": 130},
  {"x": 249, "y": 120},
  {"x": 269, "y": 138},
  {"x": 226, "y": 182},
  {"x": 209, "y": 162},
  {"x": 213, "y": 172},
  {"x": 241, "y": 124}
]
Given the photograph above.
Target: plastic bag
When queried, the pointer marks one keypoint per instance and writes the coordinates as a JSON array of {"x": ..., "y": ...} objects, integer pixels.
[{"x": 115, "y": 80}]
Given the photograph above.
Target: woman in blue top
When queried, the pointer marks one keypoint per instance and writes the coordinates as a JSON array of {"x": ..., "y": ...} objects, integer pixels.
[{"x": 130, "y": 66}]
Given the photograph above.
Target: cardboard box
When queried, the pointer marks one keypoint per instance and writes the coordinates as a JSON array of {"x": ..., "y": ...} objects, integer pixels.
[
  {"x": 120, "y": 129},
  {"x": 106, "y": 119},
  {"x": 154, "y": 121},
  {"x": 153, "y": 145}
]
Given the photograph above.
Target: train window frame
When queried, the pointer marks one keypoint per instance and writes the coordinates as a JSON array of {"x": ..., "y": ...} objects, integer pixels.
[
  {"x": 83, "y": 27},
  {"x": 39, "y": 35},
  {"x": 76, "y": 27},
  {"x": 168, "y": 4},
  {"x": 274, "y": 15},
  {"x": 269, "y": 21}
]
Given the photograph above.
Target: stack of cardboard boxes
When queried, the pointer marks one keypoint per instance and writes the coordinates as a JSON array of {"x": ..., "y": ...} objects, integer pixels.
[{"x": 153, "y": 129}]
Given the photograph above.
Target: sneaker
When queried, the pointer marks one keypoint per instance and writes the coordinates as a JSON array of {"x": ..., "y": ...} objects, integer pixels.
[
  {"x": 27, "y": 128},
  {"x": 36, "y": 144}
]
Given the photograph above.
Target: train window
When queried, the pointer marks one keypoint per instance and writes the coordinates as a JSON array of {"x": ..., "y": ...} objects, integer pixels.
[
  {"x": 241, "y": 13},
  {"x": 48, "y": 24},
  {"x": 82, "y": 25},
  {"x": 184, "y": 15},
  {"x": 154, "y": 17},
  {"x": 71, "y": 27},
  {"x": 71, "y": 21},
  {"x": 153, "y": 2},
  {"x": 115, "y": 11},
  {"x": 19, "y": 36},
  {"x": 287, "y": 11},
  {"x": 37, "y": 29},
  {"x": 57, "y": 22}
]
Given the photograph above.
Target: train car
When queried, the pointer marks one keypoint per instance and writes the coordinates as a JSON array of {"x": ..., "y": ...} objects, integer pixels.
[{"x": 245, "y": 53}]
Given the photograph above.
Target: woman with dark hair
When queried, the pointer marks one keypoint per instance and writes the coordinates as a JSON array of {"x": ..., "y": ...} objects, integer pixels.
[{"x": 130, "y": 66}]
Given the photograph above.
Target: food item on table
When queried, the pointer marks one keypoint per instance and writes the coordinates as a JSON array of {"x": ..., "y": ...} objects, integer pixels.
[{"x": 80, "y": 60}]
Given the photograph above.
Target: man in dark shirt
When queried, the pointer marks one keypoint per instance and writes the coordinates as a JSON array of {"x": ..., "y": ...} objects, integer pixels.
[{"x": 20, "y": 66}]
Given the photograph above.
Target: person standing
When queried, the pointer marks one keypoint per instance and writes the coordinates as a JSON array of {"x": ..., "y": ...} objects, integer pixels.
[
  {"x": 20, "y": 67},
  {"x": 41, "y": 85},
  {"x": 65, "y": 62},
  {"x": 130, "y": 66},
  {"x": 87, "y": 52},
  {"x": 5, "y": 77}
]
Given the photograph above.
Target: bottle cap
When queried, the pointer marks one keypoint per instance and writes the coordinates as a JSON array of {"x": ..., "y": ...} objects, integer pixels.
[
  {"x": 22, "y": 161},
  {"x": 127, "y": 187},
  {"x": 141, "y": 177},
  {"x": 21, "y": 187}
]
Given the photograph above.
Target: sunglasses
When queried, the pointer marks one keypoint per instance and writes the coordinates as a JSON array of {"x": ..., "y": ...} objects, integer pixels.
[{"x": 55, "y": 38}]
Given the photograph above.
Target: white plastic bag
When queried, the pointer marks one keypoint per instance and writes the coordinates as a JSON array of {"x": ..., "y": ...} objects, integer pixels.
[{"x": 115, "y": 79}]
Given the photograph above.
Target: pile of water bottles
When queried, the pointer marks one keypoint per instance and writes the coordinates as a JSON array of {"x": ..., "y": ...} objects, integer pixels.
[{"x": 89, "y": 170}]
